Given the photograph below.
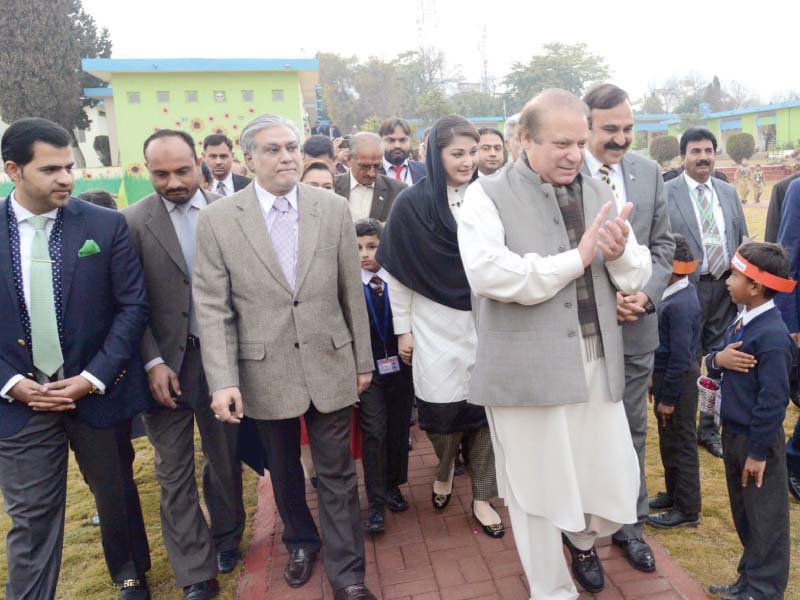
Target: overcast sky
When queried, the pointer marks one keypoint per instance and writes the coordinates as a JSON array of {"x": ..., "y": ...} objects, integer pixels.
[{"x": 643, "y": 42}]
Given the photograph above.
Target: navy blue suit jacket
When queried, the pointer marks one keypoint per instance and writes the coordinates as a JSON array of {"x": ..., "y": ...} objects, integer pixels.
[
  {"x": 417, "y": 169},
  {"x": 105, "y": 315},
  {"x": 789, "y": 238}
]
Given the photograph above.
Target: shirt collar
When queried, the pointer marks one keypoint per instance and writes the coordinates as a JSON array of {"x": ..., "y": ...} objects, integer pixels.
[
  {"x": 748, "y": 315},
  {"x": 387, "y": 166},
  {"x": 267, "y": 199},
  {"x": 593, "y": 164},
  {"x": 354, "y": 183},
  {"x": 676, "y": 287},
  {"x": 693, "y": 184},
  {"x": 197, "y": 201},
  {"x": 366, "y": 276},
  {"x": 22, "y": 213}
]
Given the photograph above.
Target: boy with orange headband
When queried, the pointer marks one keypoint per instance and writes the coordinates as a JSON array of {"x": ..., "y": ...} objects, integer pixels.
[
  {"x": 754, "y": 366},
  {"x": 674, "y": 389}
]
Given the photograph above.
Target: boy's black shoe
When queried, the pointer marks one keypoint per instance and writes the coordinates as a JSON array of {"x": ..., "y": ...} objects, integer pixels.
[
  {"x": 714, "y": 447},
  {"x": 586, "y": 567},
  {"x": 673, "y": 518},
  {"x": 395, "y": 501},
  {"x": 376, "y": 522},
  {"x": 661, "y": 501}
]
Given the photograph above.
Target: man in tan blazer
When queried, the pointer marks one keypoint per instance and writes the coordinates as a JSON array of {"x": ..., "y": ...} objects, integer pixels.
[
  {"x": 162, "y": 229},
  {"x": 285, "y": 334},
  {"x": 368, "y": 192}
]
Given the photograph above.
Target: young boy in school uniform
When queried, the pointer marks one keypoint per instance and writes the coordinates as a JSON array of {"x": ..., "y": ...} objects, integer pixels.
[
  {"x": 385, "y": 407},
  {"x": 754, "y": 364},
  {"x": 675, "y": 392}
]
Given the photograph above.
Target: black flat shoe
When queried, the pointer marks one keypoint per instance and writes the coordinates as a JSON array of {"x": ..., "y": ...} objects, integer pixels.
[
  {"x": 673, "y": 518},
  {"x": 375, "y": 522},
  {"x": 586, "y": 567},
  {"x": 638, "y": 553},
  {"x": 227, "y": 560},
  {"x": 440, "y": 501},
  {"x": 395, "y": 501},
  {"x": 661, "y": 501},
  {"x": 493, "y": 531},
  {"x": 300, "y": 566}
]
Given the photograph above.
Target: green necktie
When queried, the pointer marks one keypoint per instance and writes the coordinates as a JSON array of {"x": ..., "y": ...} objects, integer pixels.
[{"x": 47, "y": 356}]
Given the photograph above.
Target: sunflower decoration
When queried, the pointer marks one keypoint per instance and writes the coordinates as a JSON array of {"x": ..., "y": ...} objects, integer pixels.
[
  {"x": 220, "y": 130},
  {"x": 178, "y": 123},
  {"x": 235, "y": 127},
  {"x": 135, "y": 169},
  {"x": 236, "y": 141},
  {"x": 165, "y": 110},
  {"x": 251, "y": 110},
  {"x": 227, "y": 115},
  {"x": 87, "y": 175},
  {"x": 197, "y": 124}
]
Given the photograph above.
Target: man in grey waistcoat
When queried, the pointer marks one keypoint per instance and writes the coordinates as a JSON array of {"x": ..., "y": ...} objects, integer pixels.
[
  {"x": 545, "y": 251},
  {"x": 636, "y": 180}
]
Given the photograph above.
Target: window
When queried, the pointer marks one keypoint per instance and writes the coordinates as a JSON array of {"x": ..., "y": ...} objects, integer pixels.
[
  {"x": 133, "y": 98},
  {"x": 162, "y": 96},
  {"x": 191, "y": 95},
  {"x": 219, "y": 96},
  {"x": 248, "y": 95},
  {"x": 277, "y": 95}
]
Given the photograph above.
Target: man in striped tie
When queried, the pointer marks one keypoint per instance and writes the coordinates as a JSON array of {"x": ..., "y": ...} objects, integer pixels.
[{"x": 708, "y": 213}]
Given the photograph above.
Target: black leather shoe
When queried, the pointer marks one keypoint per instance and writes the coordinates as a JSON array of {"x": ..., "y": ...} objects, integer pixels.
[
  {"x": 661, "y": 501},
  {"x": 300, "y": 566},
  {"x": 493, "y": 531},
  {"x": 227, "y": 560},
  {"x": 134, "y": 589},
  {"x": 714, "y": 447},
  {"x": 395, "y": 501},
  {"x": 638, "y": 554},
  {"x": 673, "y": 518},
  {"x": 794, "y": 485},
  {"x": 353, "y": 592},
  {"x": 376, "y": 522},
  {"x": 731, "y": 589},
  {"x": 205, "y": 590},
  {"x": 440, "y": 501},
  {"x": 586, "y": 567}
]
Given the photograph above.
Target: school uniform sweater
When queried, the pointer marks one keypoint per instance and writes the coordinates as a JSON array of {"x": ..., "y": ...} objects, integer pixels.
[{"x": 754, "y": 403}]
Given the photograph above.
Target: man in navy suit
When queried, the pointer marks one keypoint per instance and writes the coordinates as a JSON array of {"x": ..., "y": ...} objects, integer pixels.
[
  {"x": 70, "y": 374},
  {"x": 396, "y": 134}
]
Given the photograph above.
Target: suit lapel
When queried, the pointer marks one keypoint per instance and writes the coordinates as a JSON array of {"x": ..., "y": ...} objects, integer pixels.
[
  {"x": 342, "y": 186},
  {"x": 5, "y": 259},
  {"x": 72, "y": 237},
  {"x": 251, "y": 220},
  {"x": 160, "y": 225},
  {"x": 725, "y": 204},
  {"x": 309, "y": 232},
  {"x": 379, "y": 194},
  {"x": 685, "y": 207}
]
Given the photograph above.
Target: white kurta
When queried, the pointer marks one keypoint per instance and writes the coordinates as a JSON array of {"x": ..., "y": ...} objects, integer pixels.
[
  {"x": 561, "y": 462},
  {"x": 444, "y": 338}
]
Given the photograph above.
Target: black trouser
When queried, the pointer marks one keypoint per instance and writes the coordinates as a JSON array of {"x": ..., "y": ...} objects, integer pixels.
[
  {"x": 33, "y": 478},
  {"x": 761, "y": 517},
  {"x": 678, "y": 444},
  {"x": 339, "y": 513},
  {"x": 385, "y": 414}
]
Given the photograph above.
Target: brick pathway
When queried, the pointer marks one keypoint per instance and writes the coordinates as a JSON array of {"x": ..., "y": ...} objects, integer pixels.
[{"x": 427, "y": 554}]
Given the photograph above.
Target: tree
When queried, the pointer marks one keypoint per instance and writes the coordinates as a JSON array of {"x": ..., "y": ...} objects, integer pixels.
[
  {"x": 739, "y": 95},
  {"x": 476, "y": 104},
  {"x": 786, "y": 96},
  {"x": 432, "y": 105},
  {"x": 713, "y": 95},
  {"x": 40, "y": 61},
  {"x": 337, "y": 77},
  {"x": 664, "y": 148},
  {"x": 102, "y": 146},
  {"x": 651, "y": 104},
  {"x": 740, "y": 146},
  {"x": 378, "y": 89},
  {"x": 568, "y": 66}
]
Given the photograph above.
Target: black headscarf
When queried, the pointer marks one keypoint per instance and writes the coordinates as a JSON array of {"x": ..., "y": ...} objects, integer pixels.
[{"x": 419, "y": 244}]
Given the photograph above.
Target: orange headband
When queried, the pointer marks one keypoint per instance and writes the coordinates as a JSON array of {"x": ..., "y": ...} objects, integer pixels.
[
  {"x": 768, "y": 280},
  {"x": 682, "y": 267}
]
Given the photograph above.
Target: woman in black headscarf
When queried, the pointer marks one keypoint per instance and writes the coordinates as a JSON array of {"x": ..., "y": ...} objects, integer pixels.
[{"x": 430, "y": 299}]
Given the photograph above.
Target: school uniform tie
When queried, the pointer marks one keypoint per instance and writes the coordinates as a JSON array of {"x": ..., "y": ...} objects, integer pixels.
[
  {"x": 605, "y": 176},
  {"x": 284, "y": 238},
  {"x": 47, "y": 354},
  {"x": 376, "y": 283},
  {"x": 715, "y": 255}
]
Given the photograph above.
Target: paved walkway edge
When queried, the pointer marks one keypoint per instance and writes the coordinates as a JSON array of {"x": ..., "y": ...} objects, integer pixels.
[{"x": 254, "y": 578}]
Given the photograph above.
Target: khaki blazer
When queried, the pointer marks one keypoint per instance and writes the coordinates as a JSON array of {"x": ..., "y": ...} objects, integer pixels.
[
  {"x": 385, "y": 191},
  {"x": 166, "y": 279},
  {"x": 283, "y": 348}
]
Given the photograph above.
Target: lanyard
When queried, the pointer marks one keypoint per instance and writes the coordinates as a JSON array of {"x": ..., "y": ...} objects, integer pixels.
[
  {"x": 704, "y": 211},
  {"x": 381, "y": 327}
]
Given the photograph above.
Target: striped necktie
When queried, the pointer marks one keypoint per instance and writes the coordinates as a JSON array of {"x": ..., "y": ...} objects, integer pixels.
[
  {"x": 712, "y": 238},
  {"x": 605, "y": 175}
]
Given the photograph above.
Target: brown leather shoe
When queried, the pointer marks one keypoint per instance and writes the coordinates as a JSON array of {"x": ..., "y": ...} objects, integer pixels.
[
  {"x": 300, "y": 566},
  {"x": 353, "y": 592}
]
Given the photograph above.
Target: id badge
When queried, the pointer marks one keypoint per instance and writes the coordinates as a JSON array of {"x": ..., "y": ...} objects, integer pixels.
[
  {"x": 387, "y": 366},
  {"x": 717, "y": 406}
]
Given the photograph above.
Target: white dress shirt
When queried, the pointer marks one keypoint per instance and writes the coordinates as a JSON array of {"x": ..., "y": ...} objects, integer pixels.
[
  {"x": 676, "y": 287},
  {"x": 719, "y": 217},
  {"x": 26, "y": 234},
  {"x": 616, "y": 176},
  {"x": 227, "y": 182},
  {"x": 496, "y": 272},
  {"x": 196, "y": 204},
  {"x": 366, "y": 276},
  {"x": 360, "y": 199},
  {"x": 405, "y": 174},
  {"x": 748, "y": 315}
]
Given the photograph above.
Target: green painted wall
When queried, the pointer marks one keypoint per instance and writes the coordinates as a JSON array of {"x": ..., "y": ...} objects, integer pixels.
[
  {"x": 137, "y": 121},
  {"x": 787, "y": 128},
  {"x": 714, "y": 126},
  {"x": 675, "y": 130},
  {"x": 749, "y": 124}
]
